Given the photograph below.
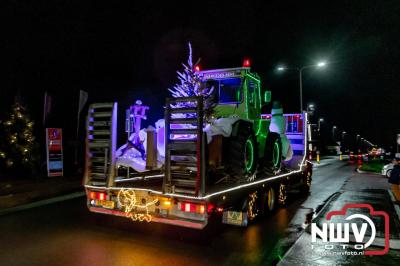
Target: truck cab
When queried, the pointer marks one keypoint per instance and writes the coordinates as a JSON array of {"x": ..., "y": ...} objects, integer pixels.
[{"x": 237, "y": 92}]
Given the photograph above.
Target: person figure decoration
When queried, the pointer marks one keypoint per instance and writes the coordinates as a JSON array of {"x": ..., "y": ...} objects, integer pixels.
[
  {"x": 138, "y": 112},
  {"x": 278, "y": 125}
]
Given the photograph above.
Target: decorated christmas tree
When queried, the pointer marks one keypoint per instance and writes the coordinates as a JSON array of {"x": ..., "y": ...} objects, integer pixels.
[
  {"x": 190, "y": 85},
  {"x": 17, "y": 146}
]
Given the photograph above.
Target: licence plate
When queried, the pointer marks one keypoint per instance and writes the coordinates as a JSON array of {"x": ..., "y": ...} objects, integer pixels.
[
  {"x": 234, "y": 218},
  {"x": 106, "y": 204}
]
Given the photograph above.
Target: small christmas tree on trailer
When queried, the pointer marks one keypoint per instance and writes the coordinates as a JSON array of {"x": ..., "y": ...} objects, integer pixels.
[{"x": 191, "y": 85}]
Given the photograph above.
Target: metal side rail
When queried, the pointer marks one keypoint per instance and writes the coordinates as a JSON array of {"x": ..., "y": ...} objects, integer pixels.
[
  {"x": 100, "y": 144},
  {"x": 184, "y": 154}
]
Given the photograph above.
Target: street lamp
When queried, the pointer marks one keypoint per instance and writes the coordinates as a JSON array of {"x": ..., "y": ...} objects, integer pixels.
[
  {"x": 342, "y": 144},
  {"x": 320, "y": 64},
  {"x": 333, "y": 132},
  {"x": 319, "y": 123},
  {"x": 311, "y": 107}
]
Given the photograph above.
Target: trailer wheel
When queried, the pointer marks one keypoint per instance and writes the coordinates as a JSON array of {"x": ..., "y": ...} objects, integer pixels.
[
  {"x": 268, "y": 200},
  {"x": 282, "y": 194},
  {"x": 307, "y": 179},
  {"x": 242, "y": 154},
  {"x": 273, "y": 153},
  {"x": 306, "y": 182},
  {"x": 251, "y": 206}
]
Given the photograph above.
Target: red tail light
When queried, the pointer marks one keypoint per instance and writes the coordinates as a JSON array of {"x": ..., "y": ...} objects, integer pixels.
[
  {"x": 97, "y": 195},
  {"x": 210, "y": 208},
  {"x": 192, "y": 207},
  {"x": 92, "y": 195},
  {"x": 102, "y": 196}
]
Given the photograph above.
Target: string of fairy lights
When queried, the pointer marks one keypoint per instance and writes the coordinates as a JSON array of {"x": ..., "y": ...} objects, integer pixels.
[
  {"x": 137, "y": 212},
  {"x": 17, "y": 146}
]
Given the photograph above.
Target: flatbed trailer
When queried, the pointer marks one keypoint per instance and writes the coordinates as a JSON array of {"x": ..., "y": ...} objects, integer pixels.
[{"x": 145, "y": 197}]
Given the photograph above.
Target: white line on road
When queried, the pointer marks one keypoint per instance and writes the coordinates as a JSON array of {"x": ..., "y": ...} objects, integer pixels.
[{"x": 42, "y": 202}]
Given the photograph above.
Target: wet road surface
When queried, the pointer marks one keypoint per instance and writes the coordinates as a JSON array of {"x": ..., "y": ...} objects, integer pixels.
[{"x": 66, "y": 233}]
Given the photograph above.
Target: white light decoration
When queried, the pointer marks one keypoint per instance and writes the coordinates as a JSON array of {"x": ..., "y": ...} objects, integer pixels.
[{"x": 128, "y": 201}]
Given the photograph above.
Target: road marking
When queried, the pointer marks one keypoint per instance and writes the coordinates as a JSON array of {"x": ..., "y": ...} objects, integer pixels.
[{"x": 42, "y": 202}]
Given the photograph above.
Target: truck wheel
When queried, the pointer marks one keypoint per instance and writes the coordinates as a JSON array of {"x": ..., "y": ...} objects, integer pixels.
[
  {"x": 268, "y": 200},
  {"x": 273, "y": 152},
  {"x": 242, "y": 154}
]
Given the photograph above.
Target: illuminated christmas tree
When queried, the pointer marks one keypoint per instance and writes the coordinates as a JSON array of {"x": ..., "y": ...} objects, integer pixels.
[
  {"x": 190, "y": 85},
  {"x": 17, "y": 148}
]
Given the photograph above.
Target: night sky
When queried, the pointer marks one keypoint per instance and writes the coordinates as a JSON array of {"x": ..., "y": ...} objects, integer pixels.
[{"x": 124, "y": 50}]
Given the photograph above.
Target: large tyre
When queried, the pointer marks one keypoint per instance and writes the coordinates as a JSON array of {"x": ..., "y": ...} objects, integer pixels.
[
  {"x": 242, "y": 154},
  {"x": 273, "y": 153},
  {"x": 268, "y": 200}
]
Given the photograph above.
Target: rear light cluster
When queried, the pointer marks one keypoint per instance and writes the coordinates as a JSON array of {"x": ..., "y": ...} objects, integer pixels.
[
  {"x": 97, "y": 195},
  {"x": 198, "y": 208},
  {"x": 192, "y": 207}
]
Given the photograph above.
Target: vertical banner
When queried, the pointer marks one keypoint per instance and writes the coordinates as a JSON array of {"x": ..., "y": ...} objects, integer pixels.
[
  {"x": 398, "y": 142},
  {"x": 47, "y": 105},
  {"x": 83, "y": 96},
  {"x": 54, "y": 151}
]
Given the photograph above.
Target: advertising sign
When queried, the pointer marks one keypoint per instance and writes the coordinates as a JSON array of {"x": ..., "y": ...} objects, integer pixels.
[{"x": 54, "y": 151}]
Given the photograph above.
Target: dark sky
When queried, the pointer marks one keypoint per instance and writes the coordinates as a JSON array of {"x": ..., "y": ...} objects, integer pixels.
[{"x": 122, "y": 50}]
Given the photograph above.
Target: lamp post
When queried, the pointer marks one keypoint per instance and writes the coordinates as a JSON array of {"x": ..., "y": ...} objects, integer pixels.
[
  {"x": 362, "y": 144},
  {"x": 300, "y": 69},
  {"x": 357, "y": 137},
  {"x": 343, "y": 133},
  {"x": 333, "y": 132},
  {"x": 319, "y": 123}
]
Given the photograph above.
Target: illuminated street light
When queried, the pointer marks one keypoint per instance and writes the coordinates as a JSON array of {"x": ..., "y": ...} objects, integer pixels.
[
  {"x": 342, "y": 142},
  {"x": 319, "y": 123},
  {"x": 333, "y": 132},
  {"x": 357, "y": 137},
  {"x": 310, "y": 108},
  {"x": 300, "y": 70}
]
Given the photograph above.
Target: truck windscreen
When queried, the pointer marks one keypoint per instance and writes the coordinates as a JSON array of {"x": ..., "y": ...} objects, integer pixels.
[{"x": 229, "y": 90}]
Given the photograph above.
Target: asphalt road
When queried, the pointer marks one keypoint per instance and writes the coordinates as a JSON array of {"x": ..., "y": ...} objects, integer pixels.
[{"x": 66, "y": 233}]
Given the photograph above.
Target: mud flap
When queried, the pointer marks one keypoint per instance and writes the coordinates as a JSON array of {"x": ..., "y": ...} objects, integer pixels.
[{"x": 235, "y": 218}]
